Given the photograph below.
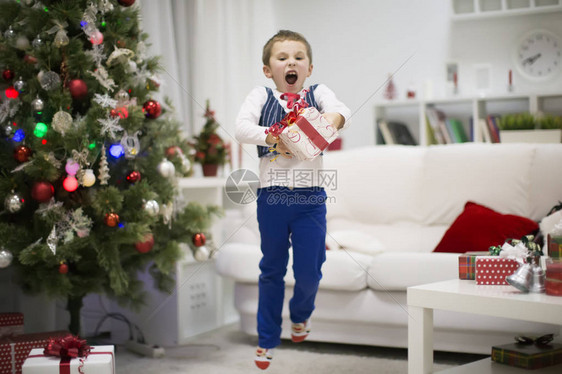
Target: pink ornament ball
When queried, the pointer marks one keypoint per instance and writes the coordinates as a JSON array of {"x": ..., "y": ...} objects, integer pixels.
[{"x": 97, "y": 38}]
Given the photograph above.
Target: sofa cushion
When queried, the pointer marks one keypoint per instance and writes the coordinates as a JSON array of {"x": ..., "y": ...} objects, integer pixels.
[
  {"x": 495, "y": 175},
  {"x": 398, "y": 271},
  {"x": 368, "y": 180},
  {"x": 398, "y": 237},
  {"x": 343, "y": 270},
  {"x": 354, "y": 241},
  {"x": 479, "y": 227}
]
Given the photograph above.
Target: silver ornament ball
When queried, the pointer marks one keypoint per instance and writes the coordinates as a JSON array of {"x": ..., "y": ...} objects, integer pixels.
[
  {"x": 13, "y": 203},
  {"x": 20, "y": 85},
  {"x": 37, "y": 42},
  {"x": 152, "y": 208},
  {"x": 49, "y": 80},
  {"x": 166, "y": 169},
  {"x": 6, "y": 258},
  {"x": 10, "y": 34},
  {"x": 37, "y": 105},
  {"x": 202, "y": 254}
]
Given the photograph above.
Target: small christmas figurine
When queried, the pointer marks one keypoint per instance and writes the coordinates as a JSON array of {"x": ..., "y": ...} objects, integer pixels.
[{"x": 390, "y": 89}]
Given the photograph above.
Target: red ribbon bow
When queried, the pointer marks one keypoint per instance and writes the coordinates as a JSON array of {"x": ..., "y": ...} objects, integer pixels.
[
  {"x": 67, "y": 347},
  {"x": 292, "y": 98},
  {"x": 295, "y": 103}
]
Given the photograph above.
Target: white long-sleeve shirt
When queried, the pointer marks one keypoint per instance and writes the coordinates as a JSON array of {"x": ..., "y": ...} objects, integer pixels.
[{"x": 288, "y": 172}]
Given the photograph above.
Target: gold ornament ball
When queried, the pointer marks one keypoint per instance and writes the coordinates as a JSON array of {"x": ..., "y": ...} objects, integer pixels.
[{"x": 88, "y": 178}]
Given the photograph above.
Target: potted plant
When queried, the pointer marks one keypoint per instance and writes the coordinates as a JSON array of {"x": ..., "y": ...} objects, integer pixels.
[
  {"x": 526, "y": 127},
  {"x": 210, "y": 149}
]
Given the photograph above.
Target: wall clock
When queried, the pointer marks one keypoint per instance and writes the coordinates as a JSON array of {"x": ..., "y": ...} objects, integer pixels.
[{"x": 538, "y": 55}]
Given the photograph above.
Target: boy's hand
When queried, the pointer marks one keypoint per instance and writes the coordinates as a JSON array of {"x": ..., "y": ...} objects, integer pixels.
[
  {"x": 335, "y": 119},
  {"x": 281, "y": 148}
]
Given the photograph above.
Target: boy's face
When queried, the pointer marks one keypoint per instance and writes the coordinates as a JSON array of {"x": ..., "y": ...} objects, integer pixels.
[{"x": 289, "y": 66}]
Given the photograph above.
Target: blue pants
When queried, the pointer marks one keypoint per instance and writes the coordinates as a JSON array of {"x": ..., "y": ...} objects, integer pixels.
[{"x": 288, "y": 217}]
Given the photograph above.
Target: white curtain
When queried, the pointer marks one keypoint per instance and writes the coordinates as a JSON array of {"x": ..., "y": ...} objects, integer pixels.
[{"x": 211, "y": 50}]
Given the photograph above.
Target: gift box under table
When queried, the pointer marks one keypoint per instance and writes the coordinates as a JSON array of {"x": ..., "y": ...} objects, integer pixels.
[
  {"x": 530, "y": 356},
  {"x": 492, "y": 270},
  {"x": 14, "y": 349},
  {"x": 11, "y": 324},
  {"x": 100, "y": 360},
  {"x": 554, "y": 245},
  {"x": 467, "y": 264},
  {"x": 309, "y": 135}
]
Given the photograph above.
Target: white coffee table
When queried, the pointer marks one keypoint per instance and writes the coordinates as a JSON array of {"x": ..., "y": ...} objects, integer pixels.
[{"x": 465, "y": 296}]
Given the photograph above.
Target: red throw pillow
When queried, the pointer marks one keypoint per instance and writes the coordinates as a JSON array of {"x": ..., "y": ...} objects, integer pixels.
[{"x": 478, "y": 227}]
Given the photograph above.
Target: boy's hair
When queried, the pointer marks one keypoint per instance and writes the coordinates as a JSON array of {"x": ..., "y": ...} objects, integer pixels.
[{"x": 283, "y": 35}]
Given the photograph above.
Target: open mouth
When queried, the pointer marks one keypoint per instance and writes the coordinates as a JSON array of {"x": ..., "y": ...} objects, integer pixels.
[{"x": 291, "y": 77}]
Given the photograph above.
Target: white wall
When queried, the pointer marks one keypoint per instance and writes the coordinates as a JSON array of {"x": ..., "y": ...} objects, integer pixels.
[{"x": 357, "y": 43}]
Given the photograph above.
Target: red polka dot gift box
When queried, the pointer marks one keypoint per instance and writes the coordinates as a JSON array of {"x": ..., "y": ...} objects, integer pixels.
[
  {"x": 11, "y": 324},
  {"x": 14, "y": 349},
  {"x": 492, "y": 270}
]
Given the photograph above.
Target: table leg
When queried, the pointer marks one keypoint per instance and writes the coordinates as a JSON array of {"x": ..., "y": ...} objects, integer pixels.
[{"x": 420, "y": 340}]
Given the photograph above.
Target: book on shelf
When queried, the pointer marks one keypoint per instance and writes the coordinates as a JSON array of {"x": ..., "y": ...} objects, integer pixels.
[
  {"x": 484, "y": 130},
  {"x": 435, "y": 133},
  {"x": 458, "y": 133},
  {"x": 396, "y": 133},
  {"x": 443, "y": 130},
  {"x": 492, "y": 121}
]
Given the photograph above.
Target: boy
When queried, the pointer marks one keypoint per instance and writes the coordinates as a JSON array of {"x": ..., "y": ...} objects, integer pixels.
[{"x": 291, "y": 208}]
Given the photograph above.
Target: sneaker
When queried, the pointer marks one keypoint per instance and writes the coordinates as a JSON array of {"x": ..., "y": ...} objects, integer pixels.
[
  {"x": 263, "y": 357},
  {"x": 299, "y": 331}
]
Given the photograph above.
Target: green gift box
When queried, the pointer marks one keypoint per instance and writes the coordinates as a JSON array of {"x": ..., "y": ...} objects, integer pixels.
[
  {"x": 528, "y": 356},
  {"x": 554, "y": 246}
]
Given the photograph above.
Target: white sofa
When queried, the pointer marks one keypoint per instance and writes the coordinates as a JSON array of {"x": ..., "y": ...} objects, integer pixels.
[{"x": 389, "y": 210}]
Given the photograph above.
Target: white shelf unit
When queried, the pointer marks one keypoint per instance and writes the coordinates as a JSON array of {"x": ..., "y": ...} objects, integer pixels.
[
  {"x": 479, "y": 9},
  {"x": 468, "y": 109},
  {"x": 205, "y": 300}
]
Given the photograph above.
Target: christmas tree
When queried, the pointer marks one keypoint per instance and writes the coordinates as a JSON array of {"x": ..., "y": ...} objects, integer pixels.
[
  {"x": 210, "y": 149},
  {"x": 87, "y": 156}
]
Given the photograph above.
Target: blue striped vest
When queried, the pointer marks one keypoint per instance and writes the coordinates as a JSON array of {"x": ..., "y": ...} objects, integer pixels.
[{"x": 272, "y": 112}]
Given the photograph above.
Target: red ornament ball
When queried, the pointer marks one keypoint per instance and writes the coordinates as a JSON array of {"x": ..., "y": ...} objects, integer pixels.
[
  {"x": 63, "y": 268},
  {"x": 133, "y": 177},
  {"x": 8, "y": 75},
  {"x": 11, "y": 93},
  {"x": 171, "y": 152},
  {"x": 146, "y": 245},
  {"x": 30, "y": 59},
  {"x": 70, "y": 183},
  {"x": 78, "y": 89},
  {"x": 22, "y": 153},
  {"x": 42, "y": 191},
  {"x": 152, "y": 109},
  {"x": 199, "y": 239},
  {"x": 120, "y": 112},
  {"x": 111, "y": 219},
  {"x": 126, "y": 2}
]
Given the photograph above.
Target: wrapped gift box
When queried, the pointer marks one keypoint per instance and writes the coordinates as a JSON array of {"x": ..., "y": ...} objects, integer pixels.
[
  {"x": 309, "y": 135},
  {"x": 554, "y": 246},
  {"x": 492, "y": 270},
  {"x": 529, "y": 356},
  {"x": 11, "y": 324},
  {"x": 467, "y": 264},
  {"x": 14, "y": 349},
  {"x": 100, "y": 360}
]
